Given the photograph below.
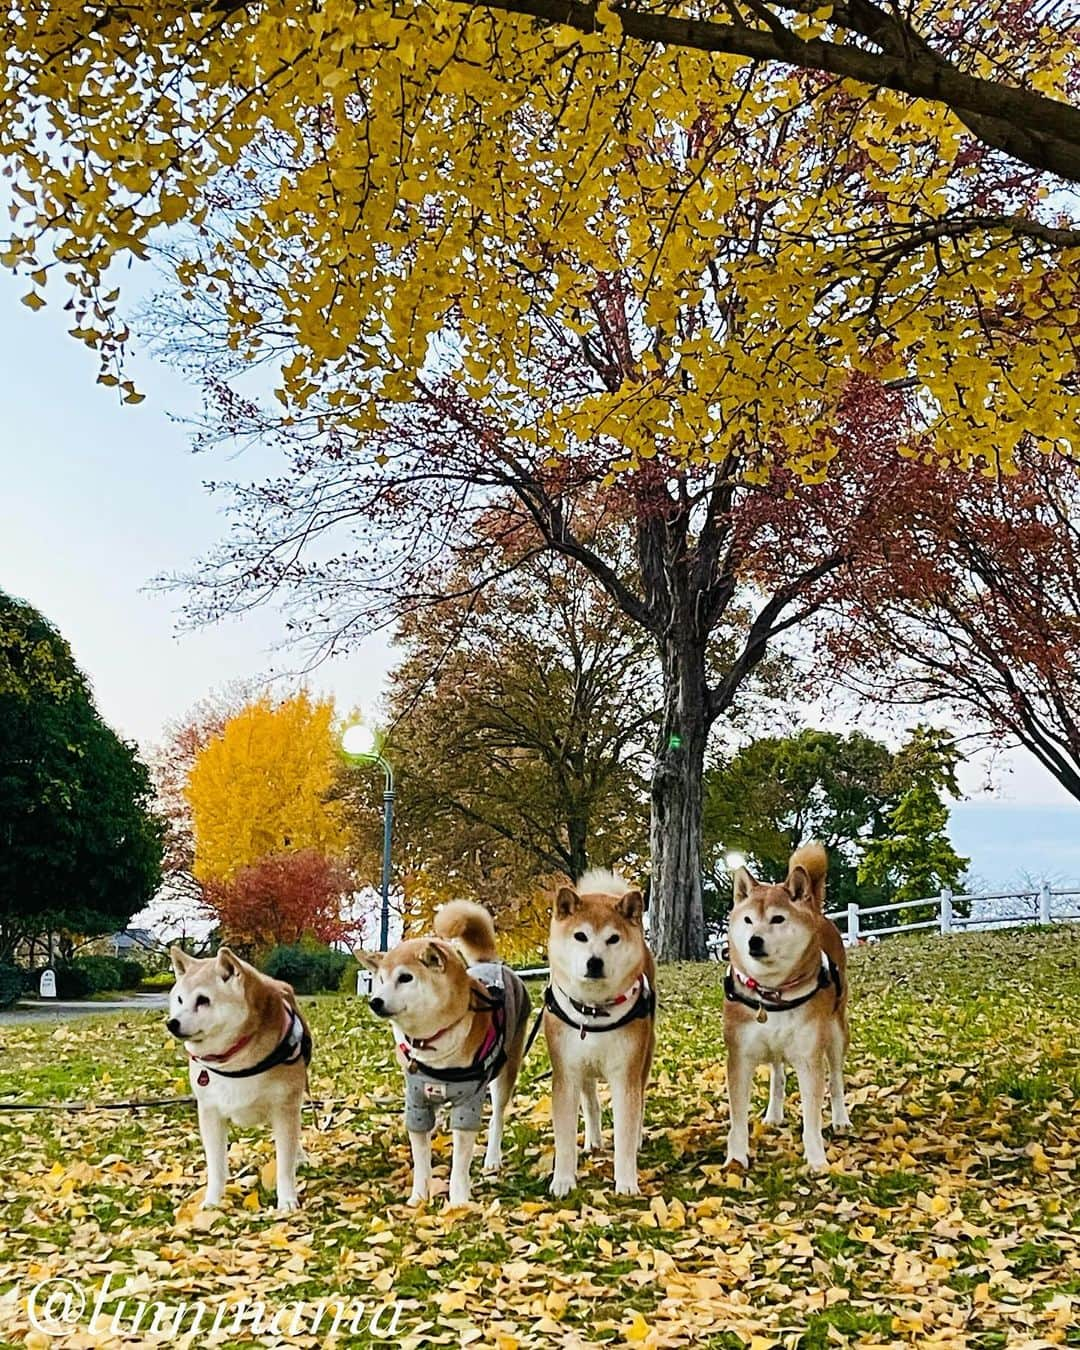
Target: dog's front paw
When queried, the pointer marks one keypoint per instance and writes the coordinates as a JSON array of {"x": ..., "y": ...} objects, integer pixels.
[
  {"x": 561, "y": 1186},
  {"x": 628, "y": 1186},
  {"x": 287, "y": 1204},
  {"x": 773, "y": 1116},
  {"x": 594, "y": 1143},
  {"x": 212, "y": 1201},
  {"x": 737, "y": 1160},
  {"x": 841, "y": 1123},
  {"x": 817, "y": 1162}
]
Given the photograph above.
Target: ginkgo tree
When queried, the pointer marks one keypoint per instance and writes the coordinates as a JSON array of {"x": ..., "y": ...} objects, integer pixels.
[
  {"x": 443, "y": 173},
  {"x": 261, "y": 786}
]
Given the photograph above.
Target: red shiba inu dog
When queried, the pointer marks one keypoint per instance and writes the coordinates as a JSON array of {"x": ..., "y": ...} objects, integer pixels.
[
  {"x": 786, "y": 1000},
  {"x": 459, "y": 1017},
  {"x": 599, "y": 1020},
  {"x": 249, "y": 1050}
]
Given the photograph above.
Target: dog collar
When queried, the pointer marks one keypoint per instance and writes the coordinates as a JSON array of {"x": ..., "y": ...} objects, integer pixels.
[
  {"x": 225, "y": 1054},
  {"x": 643, "y": 1004},
  {"x": 773, "y": 992},
  {"x": 772, "y": 1000},
  {"x": 423, "y": 1042},
  {"x": 604, "y": 1009},
  {"x": 294, "y": 1044}
]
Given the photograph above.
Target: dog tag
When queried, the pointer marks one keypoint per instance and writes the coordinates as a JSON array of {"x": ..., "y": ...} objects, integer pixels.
[
  {"x": 762, "y": 1015},
  {"x": 203, "y": 1079}
]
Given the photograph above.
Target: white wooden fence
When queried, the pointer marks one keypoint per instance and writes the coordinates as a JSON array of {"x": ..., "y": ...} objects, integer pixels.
[
  {"x": 1005, "y": 909},
  {"x": 1000, "y": 909}
]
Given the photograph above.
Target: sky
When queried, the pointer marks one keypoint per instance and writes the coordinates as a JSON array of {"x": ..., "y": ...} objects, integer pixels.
[{"x": 98, "y": 497}]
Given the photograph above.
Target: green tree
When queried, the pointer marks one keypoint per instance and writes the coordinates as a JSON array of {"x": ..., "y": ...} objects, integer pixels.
[
  {"x": 915, "y": 857},
  {"x": 853, "y": 794},
  {"x": 80, "y": 847}
]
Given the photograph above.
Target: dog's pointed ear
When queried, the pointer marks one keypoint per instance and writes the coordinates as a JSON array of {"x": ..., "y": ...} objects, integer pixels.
[
  {"x": 179, "y": 960},
  {"x": 742, "y": 883},
  {"x": 565, "y": 902},
  {"x": 631, "y": 906},
  {"x": 371, "y": 960},
  {"x": 433, "y": 956},
  {"x": 799, "y": 884},
  {"x": 228, "y": 964}
]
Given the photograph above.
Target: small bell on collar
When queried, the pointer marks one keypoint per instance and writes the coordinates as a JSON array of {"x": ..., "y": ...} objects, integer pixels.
[{"x": 762, "y": 1015}]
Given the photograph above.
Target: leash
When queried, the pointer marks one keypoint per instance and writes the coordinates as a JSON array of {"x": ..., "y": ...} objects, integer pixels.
[{"x": 141, "y": 1103}]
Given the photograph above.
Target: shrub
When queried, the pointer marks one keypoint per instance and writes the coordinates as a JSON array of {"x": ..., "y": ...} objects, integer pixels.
[
  {"x": 11, "y": 985},
  {"x": 347, "y": 982},
  {"x": 72, "y": 981},
  {"x": 161, "y": 979},
  {"x": 132, "y": 973},
  {"x": 309, "y": 967}
]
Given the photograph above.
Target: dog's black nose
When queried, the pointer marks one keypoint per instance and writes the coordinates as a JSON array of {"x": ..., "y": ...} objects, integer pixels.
[
  {"x": 594, "y": 967},
  {"x": 173, "y": 1026},
  {"x": 757, "y": 945},
  {"x": 377, "y": 1006}
]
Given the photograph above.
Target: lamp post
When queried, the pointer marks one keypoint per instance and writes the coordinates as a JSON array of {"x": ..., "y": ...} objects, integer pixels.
[{"x": 358, "y": 745}]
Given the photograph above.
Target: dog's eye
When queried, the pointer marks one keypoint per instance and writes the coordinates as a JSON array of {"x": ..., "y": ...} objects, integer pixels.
[
  {"x": 179, "y": 1001},
  {"x": 613, "y": 939},
  {"x": 404, "y": 977},
  {"x": 748, "y": 919},
  {"x": 581, "y": 937},
  {"x": 201, "y": 1002},
  {"x": 777, "y": 918}
]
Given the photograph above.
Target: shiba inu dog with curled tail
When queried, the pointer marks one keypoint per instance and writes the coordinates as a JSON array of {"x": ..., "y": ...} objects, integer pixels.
[
  {"x": 459, "y": 1016},
  {"x": 248, "y": 1049},
  {"x": 599, "y": 1020},
  {"x": 785, "y": 1000}
]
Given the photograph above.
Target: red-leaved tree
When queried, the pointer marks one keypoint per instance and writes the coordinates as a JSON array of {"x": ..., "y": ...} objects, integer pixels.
[
  {"x": 976, "y": 608},
  {"x": 283, "y": 897}
]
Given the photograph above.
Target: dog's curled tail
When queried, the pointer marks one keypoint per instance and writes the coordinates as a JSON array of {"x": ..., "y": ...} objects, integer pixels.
[
  {"x": 470, "y": 927},
  {"x": 814, "y": 861}
]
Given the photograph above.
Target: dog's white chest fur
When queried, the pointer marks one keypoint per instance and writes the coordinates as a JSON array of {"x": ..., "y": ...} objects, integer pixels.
[
  {"x": 244, "y": 1101},
  {"x": 783, "y": 1035},
  {"x": 599, "y": 1054}
]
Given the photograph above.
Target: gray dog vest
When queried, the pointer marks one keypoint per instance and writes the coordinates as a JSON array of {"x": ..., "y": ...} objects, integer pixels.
[{"x": 463, "y": 1090}]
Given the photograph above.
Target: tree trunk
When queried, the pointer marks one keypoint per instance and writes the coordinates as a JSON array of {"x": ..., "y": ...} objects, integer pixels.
[{"x": 676, "y": 911}]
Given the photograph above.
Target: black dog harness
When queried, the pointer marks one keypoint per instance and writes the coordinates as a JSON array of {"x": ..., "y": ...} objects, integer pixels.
[
  {"x": 294, "y": 1045},
  {"x": 489, "y": 1058},
  {"x": 771, "y": 1000},
  {"x": 644, "y": 1005}
]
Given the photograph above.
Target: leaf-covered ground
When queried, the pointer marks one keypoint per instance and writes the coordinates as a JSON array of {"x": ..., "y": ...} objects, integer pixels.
[{"x": 950, "y": 1215}]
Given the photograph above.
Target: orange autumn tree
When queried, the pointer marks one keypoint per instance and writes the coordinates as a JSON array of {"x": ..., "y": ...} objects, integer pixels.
[
  {"x": 262, "y": 787},
  {"x": 283, "y": 898}
]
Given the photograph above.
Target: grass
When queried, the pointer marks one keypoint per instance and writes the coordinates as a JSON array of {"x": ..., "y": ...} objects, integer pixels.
[{"x": 949, "y": 1216}]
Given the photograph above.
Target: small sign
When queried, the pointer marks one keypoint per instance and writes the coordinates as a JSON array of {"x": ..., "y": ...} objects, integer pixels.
[
  {"x": 365, "y": 981},
  {"x": 47, "y": 987}
]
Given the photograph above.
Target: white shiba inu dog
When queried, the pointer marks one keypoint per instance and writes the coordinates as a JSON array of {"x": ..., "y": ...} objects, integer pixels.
[
  {"x": 786, "y": 1000},
  {"x": 249, "y": 1049},
  {"x": 599, "y": 1021},
  {"x": 459, "y": 1017}
]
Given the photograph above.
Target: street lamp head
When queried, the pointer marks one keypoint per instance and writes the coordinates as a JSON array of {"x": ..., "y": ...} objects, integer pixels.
[
  {"x": 733, "y": 860},
  {"x": 358, "y": 741}
]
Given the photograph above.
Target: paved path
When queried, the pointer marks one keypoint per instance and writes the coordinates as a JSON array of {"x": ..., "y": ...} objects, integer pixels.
[{"x": 61, "y": 1010}]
